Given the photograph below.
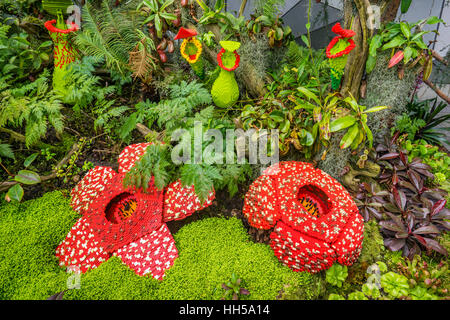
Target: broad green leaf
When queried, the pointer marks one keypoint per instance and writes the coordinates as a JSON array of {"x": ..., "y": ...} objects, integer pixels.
[
  {"x": 433, "y": 20},
  {"x": 368, "y": 134},
  {"x": 165, "y": 5},
  {"x": 405, "y": 30},
  {"x": 27, "y": 177},
  {"x": 405, "y": 5},
  {"x": 348, "y": 138},
  {"x": 277, "y": 115},
  {"x": 15, "y": 193},
  {"x": 419, "y": 34},
  {"x": 375, "y": 109},
  {"x": 375, "y": 43},
  {"x": 394, "y": 43},
  {"x": 285, "y": 126},
  {"x": 309, "y": 94},
  {"x": 158, "y": 26},
  {"x": 370, "y": 63},
  {"x": 29, "y": 160},
  {"x": 342, "y": 123},
  {"x": 407, "y": 53},
  {"x": 305, "y": 40},
  {"x": 419, "y": 42},
  {"x": 307, "y": 138}
]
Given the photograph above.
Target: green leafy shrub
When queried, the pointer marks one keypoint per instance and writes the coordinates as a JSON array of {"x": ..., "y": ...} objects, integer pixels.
[
  {"x": 18, "y": 55},
  {"x": 33, "y": 106},
  {"x": 421, "y": 120},
  {"x": 438, "y": 161}
]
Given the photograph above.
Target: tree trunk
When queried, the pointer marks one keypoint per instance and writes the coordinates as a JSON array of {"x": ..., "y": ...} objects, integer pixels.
[{"x": 360, "y": 23}]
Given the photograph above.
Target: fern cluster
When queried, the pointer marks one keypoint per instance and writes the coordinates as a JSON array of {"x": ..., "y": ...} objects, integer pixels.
[
  {"x": 109, "y": 34},
  {"x": 34, "y": 106},
  {"x": 269, "y": 8},
  {"x": 187, "y": 107},
  {"x": 84, "y": 87}
]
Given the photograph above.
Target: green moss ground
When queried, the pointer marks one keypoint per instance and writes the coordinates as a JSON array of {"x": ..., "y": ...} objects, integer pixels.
[{"x": 210, "y": 250}]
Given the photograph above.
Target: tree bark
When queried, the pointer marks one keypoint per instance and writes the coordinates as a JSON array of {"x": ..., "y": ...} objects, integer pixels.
[{"x": 356, "y": 64}]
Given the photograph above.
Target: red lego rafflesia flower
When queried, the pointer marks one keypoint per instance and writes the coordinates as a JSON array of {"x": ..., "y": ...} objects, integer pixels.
[
  {"x": 314, "y": 218},
  {"x": 125, "y": 222}
]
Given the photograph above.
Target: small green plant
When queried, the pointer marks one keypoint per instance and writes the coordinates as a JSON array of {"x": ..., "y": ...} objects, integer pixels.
[
  {"x": 438, "y": 161},
  {"x": 48, "y": 154},
  {"x": 395, "y": 285},
  {"x": 336, "y": 275},
  {"x": 422, "y": 119},
  {"x": 408, "y": 45},
  {"x": 70, "y": 169},
  {"x": 233, "y": 288},
  {"x": 425, "y": 279}
]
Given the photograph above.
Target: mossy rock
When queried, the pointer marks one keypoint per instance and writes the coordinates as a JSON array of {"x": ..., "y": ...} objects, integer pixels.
[{"x": 210, "y": 250}]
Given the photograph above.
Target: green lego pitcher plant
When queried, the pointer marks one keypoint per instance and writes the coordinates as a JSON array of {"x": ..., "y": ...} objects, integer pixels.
[
  {"x": 337, "y": 52},
  {"x": 64, "y": 53},
  {"x": 225, "y": 90}
]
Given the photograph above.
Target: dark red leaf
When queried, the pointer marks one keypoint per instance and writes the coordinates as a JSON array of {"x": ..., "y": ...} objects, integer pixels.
[
  {"x": 438, "y": 206},
  {"x": 388, "y": 156},
  {"x": 244, "y": 291},
  {"x": 399, "y": 197},
  {"x": 391, "y": 226},
  {"x": 433, "y": 244},
  {"x": 57, "y": 296},
  {"x": 394, "y": 244},
  {"x": 426, "y": 230}
]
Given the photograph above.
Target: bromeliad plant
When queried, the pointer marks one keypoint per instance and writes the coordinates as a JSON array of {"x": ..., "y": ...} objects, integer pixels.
[
  {"x": 422, "y": 119},
  {"x": 405, "y": 40}
]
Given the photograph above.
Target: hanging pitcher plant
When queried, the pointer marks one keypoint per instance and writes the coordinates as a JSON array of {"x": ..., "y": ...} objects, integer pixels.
[
  {"x": 191, "y": 50},
  {"x": 337, "y": 52}
]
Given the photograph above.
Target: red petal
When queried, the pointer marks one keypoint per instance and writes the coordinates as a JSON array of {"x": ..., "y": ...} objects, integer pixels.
[
  {"x": 152, "y": 254},
  {"x": 349, "y": 245},
  {"x": 180, "y": 202},
  {"x": 185, "y": 33},
  {"x": 80, "y": 248},
  {"x": 130, "y": 155},
  {"x": 260, "y": 205},
  {"x": 299, "y": 251},
  {"x": 90, "y": 187}
]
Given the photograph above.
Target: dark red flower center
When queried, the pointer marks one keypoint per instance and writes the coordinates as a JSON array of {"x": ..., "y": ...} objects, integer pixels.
[
  {"x": 121, "y": 207},
  {"x": 314, "y": 200}
]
